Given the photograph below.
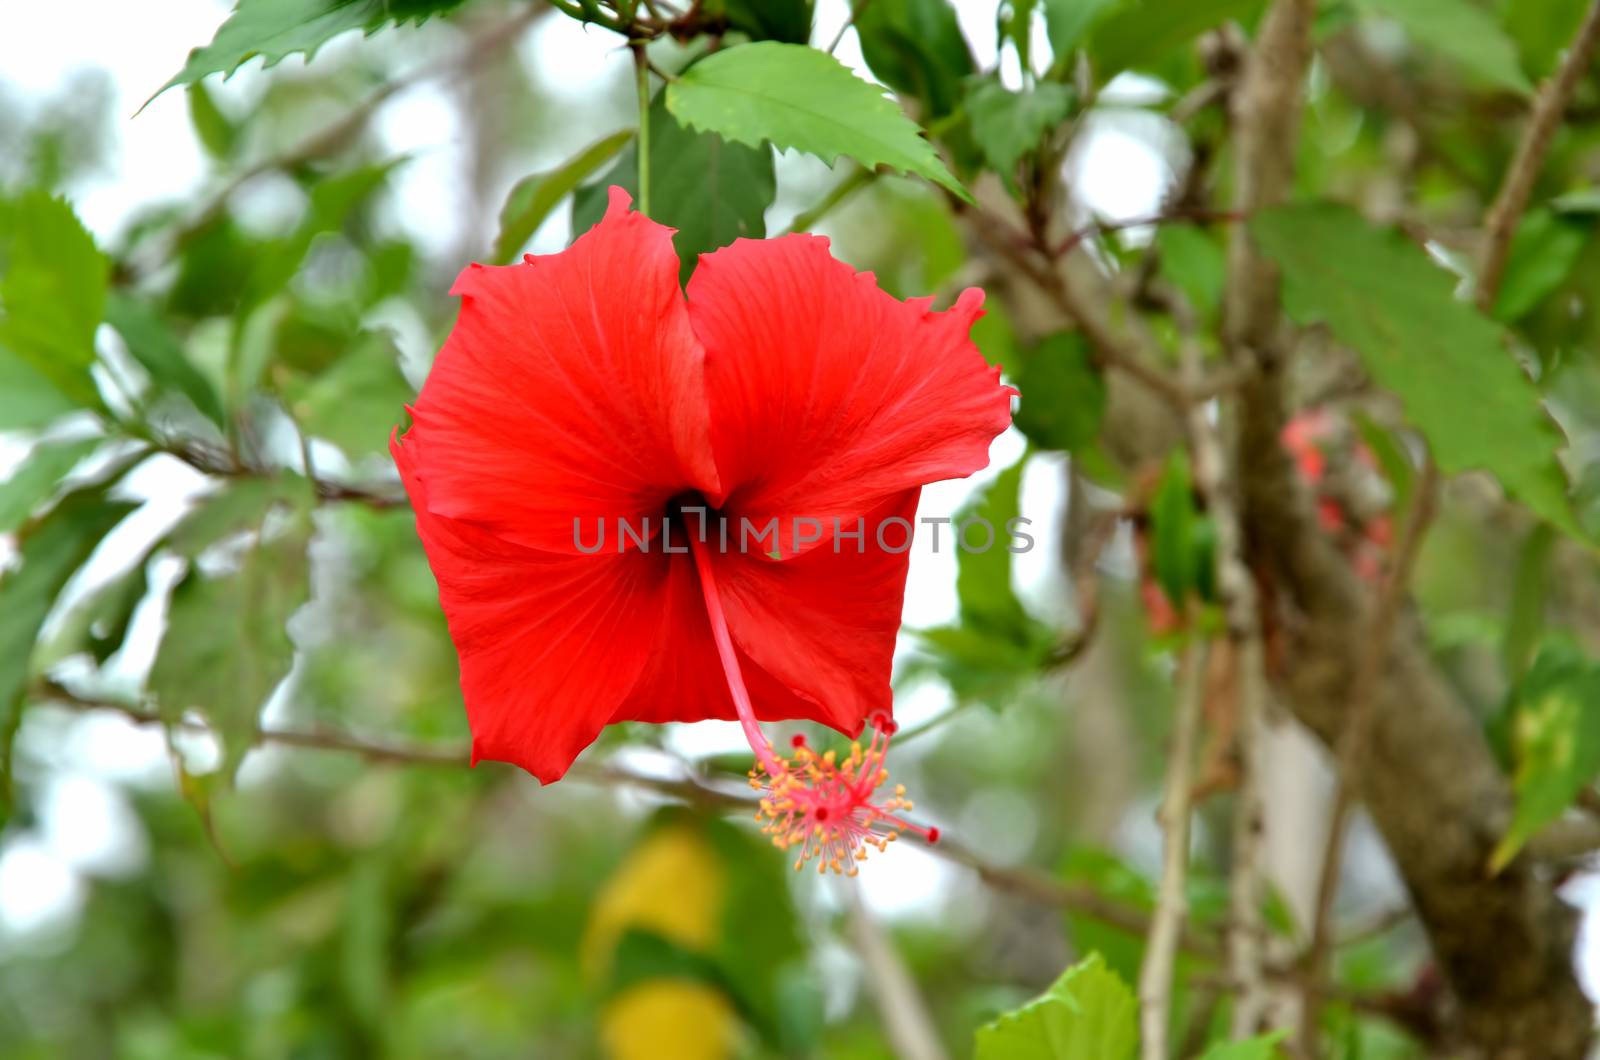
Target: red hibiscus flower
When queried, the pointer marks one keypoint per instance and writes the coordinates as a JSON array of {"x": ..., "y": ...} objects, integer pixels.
[{"x": 580, "y": 396}]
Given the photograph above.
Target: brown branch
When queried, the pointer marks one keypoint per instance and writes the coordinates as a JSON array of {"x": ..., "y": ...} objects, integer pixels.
[
  {"x": 906, "y": 1022},
  {"x": 1517, "y": 186},
  {"x": 1172, "y": 902},
  {"x": 1353, "y": 745}
]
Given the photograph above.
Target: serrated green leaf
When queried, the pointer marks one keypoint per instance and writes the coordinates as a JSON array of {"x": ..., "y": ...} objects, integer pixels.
[
  {"x": 802, "y": 99},
  {"x": 1087, "y": 1014},
  {"x": 1063, "y": 395},
  {"x": 53, "y": 293},
  {"x": 1008, "y": 125},
  {"x": 357, "y": 402},
  {"x": 1460, "y": 31},
  {"x": 709, "y": 189},
  {"x": 51, "y": 552},
  {"x": 1544, "y": 250},
  {"x": 227, "y": 646},
  {"x": 533, "y": 197},
  {"x": 1381, "y": 296},
  {"x": 277, "y": 29},
  {"x": 153, "y": 345},
  {"x": 1264, "y": 1047},
  {"x": 916, "y": 47},
  {"x": 1143, "y": 32},
  {"x": 38, "y": 478},
  {"x": 1555, "y": 741}
]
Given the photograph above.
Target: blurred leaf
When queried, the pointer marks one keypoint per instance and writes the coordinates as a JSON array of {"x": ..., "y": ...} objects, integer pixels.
[
  {"x": 226, "y": 646},
  {"x": 1555, "y": 739},
  {"x": 53, "y": 292},
  {"x": 916, "y": 47},
  {"x": 1460, "y": 31},
  {"x": 801, "y": 98},
  {"x": 1529, "y": 591},
  {"x": 1066, "y": 23},
  {"x": 277, "y": 29},
  {"x": 154, "y": 346},
  {"x": 1544, "y": 250},
  {"x": 1542, "y": 31},
  {"x": 51, "y": 552},
  {"x": 711, "y": 190},
  {"x": 1172, "y": 531},
  {"x": 779, "y": 20},
  {"x": 983, "y": 578},
  {"x": 240, "y": 505},
  {"x": 1141, "y": 32},
  {"x": 217, "y": 134},
  {"x": 1264, "y": 1047},
  {"x": 1392, "y": 460},
  {"x": 1010, "y": 125},
  {"x": 658, "y": 1018},
  {"x": 1194, "y": 263},
  {"x": 1014, "y": 20},
  {"x": 1381, "y": 296},
  {"x": 533, "y": 197},
  {"x": 38, "y": 478},
  {"x": 99, "y": 623},
  {"x": 1087, "y": 1014},
  {"x": 1063, "y": 395},
  {"x": 27, "y": 398},
  {"x": 355, "y": 403}
]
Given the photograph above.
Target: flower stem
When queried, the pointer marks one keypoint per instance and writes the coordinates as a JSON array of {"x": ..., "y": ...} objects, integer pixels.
[
  {"x": 730, "y": 661},
  {"x": 641, "y": 69}
]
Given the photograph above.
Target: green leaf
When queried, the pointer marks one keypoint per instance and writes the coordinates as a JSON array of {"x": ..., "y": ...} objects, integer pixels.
[
  {"x": 1066, "y": 22},
  {"x": 1009, "y": 125},
  {"x": 1063, "y": 395},
  {"x": 1544, "y": 250},
  {"x": 153, "y": 345},
  {"x": 712, "y": 191},
  {"x": 217, "y": 134},
  {"x": 801, "y": 98},
  {"x": 1194, "y": 263},
  {"x": 1141, "y": 33},
  {"x": 38, "y": 478},
  {"x": 1530, "y": 590},
  {"x": 1381, "y": 296},
  {"x": 1555, "y": 739},
  {"x": 983, "y": 576},
  {"x": 51, "y": 552},
  {"x": 916, "y": 47},
  {"x": 226, "y": 646},
  {"x": 241, "y": 505},
  {"x": 1461, "y": 32},
  {"x": 533, "y": 197},
  {"x": 53, "y": 292},
  {"x": 1542, "y": 31},
  {"x": 27, "y": 398},
  {"x": 357, "y": 402},
  {"x": 1264, "y": 1047},
  {"x": 1172, "y": 530},
  {"x": 1087, "y": 1014},
  {"x": 277, "y": 29},
  {"x": 780, "y": 20}
]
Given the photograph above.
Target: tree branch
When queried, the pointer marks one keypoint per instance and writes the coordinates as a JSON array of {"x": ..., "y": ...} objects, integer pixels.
[
  {"x": 1172, "y": 902},
  {"x": 1517, "y": 187},
  {"x": 906, "y": 1022}
]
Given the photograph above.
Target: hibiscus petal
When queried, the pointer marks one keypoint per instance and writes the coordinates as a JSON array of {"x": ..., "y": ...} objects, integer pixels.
[
  {"x": 827, "y": 394},
  {"x": 549, "y": 644},
  {"x": 570, "y": 388},
  {"x": 823, "y": 623}
]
